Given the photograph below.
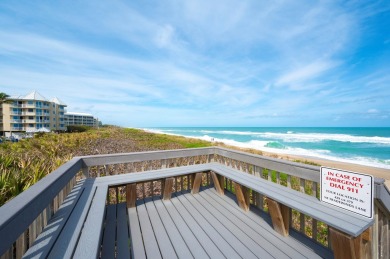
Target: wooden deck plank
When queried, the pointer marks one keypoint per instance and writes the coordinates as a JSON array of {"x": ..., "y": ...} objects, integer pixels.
[
  {"x": 255, "y": 230},
  {"x": 122, "y": 232},
  {"x": 186, "y": 233},
  {"x": 227, "y": 243},
  {"x": 109, "y": 235},
  {"x": 163, "y": 240},
  {"x": 288, "y": 245},
  {"x": 151, "y": 246},
  {"x": 177, "y": 239},
  {"x": 89, "y": 242},
  {"x": 207, "y": 243},
  {"x": 136, "y": 239},
  {"x": 236, "y": 238}
]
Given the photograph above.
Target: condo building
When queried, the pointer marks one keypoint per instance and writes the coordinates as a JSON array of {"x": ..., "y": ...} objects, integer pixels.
[
  {"x": 31, "y": 113},
  {"x": 80, "y": 119}
]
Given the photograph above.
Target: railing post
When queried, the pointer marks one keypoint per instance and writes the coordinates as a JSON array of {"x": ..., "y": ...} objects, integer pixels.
[
  {"x": 218, "y": 183},
  {"x": 21, "y": 245},
  {"x": 242, "y": 194},
  {"x": 346, "y": 246},
  {"x": 280, "y": 215},
  {"x": 196, "y": 183},
  {"x": 131, "y": 195},
  {"x": 211, "y": 158},
  {"x": 168, "y": 188}
]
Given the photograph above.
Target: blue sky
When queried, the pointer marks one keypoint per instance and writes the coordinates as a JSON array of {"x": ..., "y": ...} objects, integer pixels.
[{"x": 203, "y": 63}]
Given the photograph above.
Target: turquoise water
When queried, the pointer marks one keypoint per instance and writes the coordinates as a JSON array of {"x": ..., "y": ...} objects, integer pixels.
[{"x": 366, "y": 146}]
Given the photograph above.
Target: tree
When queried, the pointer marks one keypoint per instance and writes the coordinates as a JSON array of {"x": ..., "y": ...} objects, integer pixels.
[{"x": 4, "y": 99}]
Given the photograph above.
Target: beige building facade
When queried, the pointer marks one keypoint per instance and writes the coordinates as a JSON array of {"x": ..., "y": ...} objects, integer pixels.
[{"x": 31, "y": 113}]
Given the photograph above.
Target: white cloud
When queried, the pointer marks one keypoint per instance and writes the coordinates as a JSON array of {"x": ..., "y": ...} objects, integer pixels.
[
  {"x": 165, "y": 36},
  {"x": 302, "y": 75},
  {"x": 372, "y": 111}
]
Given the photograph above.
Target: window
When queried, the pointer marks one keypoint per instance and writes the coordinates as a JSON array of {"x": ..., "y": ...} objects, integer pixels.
[{"x": 30, "y": 102}]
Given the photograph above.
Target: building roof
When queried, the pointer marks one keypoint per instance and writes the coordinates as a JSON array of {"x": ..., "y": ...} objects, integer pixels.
[
  {"x": 34, "y": 95},
  {"x": 57, "y": 101},
  {"x": 78, "y": 113}
]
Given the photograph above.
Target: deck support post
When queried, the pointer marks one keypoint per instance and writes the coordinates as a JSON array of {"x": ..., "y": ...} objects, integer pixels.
[
  {"x": 168, "y": 184},
  {"x": 218, "y": 181},
  {"x": 197, "y": 181},
  {"x": 346, "y": 246},
  {"x": 242, "y": 194},
  {"x": 131, "y": 195},
  {"x": 280, "y": 215}
]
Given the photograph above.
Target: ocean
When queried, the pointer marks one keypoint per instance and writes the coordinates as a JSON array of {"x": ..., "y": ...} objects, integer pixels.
[{"x": 365, "y": 146}]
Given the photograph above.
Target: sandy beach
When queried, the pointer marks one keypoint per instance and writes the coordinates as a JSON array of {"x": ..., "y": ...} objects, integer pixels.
[{"x": 374, "y": 171}]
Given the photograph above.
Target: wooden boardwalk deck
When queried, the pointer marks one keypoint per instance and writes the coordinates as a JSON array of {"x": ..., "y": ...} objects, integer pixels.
[{"x": 204, "y": 225}]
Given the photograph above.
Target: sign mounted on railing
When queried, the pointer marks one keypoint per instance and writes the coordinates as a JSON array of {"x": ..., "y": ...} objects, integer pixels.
[{"x": 348, "y": 190}]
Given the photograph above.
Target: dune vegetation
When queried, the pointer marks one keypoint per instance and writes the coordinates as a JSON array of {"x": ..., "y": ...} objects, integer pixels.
[{"x": 25, "y": 162}]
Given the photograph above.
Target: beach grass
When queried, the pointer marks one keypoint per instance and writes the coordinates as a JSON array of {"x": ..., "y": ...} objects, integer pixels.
[{"x": 25, "y": 162}]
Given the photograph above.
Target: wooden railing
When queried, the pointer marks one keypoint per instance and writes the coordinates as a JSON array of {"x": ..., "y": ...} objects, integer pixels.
[{"x": 24, "y": 217}]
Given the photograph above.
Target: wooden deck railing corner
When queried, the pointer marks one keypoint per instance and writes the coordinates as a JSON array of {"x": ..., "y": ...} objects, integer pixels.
[{"x": 24, "y": 217}]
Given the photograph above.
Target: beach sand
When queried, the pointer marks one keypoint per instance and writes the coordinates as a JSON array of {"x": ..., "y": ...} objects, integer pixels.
[{"x": 374, "y": 171}]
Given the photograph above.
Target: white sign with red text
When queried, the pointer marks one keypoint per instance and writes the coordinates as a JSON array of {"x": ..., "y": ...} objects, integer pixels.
[{"x": 348, "y": 190}]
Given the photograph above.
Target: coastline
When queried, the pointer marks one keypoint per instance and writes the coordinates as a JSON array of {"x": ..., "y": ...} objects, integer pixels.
[
  {"x": 370, "y": 170},
  {"x": 342, "y": 165}
]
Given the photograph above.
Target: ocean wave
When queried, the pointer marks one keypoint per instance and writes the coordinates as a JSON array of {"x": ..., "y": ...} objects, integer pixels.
[
  {"x": 275, "y": 144},
  {"x": 266, "y": 146},
  {"x": 318, "y": 137},
  {"x": 291, "y": 136},
  {"x": 270, "y": 145}
]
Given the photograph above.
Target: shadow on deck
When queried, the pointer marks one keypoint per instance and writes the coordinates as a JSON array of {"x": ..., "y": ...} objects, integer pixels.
[{"x": 204, "y": 225}]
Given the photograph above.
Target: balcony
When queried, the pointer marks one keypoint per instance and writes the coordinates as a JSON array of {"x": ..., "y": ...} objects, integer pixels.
[
  {"x": 28, "y": 113},
  {"x": 29, "y": 121},
  {"x": 16, "y": 113},
  {"x": 42, "y": 121},
  {"x": 192, "y": 203},
  {"x": 26, "y": 105},
  {"x": 17, "y": 128}
]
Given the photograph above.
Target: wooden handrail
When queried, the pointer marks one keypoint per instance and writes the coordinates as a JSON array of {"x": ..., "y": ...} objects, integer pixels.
[{"x": 19, "y": 213}]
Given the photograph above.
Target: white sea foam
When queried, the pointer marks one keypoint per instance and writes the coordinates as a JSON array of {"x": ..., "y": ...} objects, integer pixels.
[
  {"x": 291, "y": 136},
  {"x": 317, "y": 137},
  {"x": 311, "y": 137}
]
